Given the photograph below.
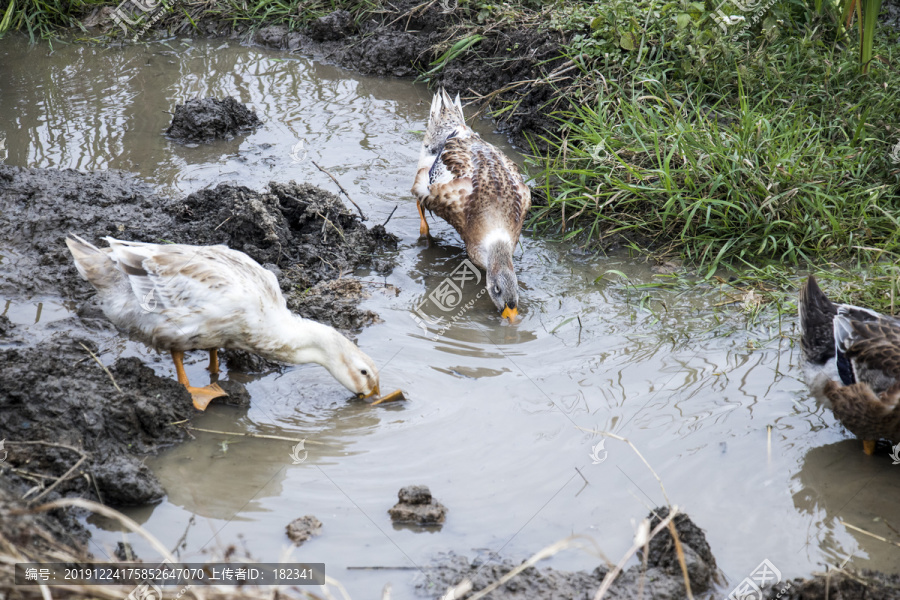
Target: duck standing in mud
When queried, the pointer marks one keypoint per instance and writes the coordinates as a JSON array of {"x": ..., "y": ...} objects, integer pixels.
[
  {"x": 478, "y": 190},
  {"x": 851, "y": 362},
  {"x": 178, "y": 298}
]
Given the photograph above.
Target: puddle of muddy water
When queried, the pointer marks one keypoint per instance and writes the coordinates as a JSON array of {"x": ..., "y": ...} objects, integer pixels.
[{"x": 491, "y": 422}]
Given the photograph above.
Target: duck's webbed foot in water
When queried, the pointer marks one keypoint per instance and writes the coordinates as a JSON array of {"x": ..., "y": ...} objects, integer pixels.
[
  {"x": 869, "y": 447},
  {"x": 201, "y": 396}
]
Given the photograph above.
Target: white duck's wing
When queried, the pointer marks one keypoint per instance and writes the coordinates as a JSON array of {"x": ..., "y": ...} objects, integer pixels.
[{"x": 196, "y": 280}]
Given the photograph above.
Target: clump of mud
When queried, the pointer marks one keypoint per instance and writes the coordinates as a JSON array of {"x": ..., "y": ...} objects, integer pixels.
[
  {"x": 659, "y": 581},
  {"x": 59, "y": 405},
  {"x": 416, "y": 505},
  {"x": 302, "y": 528},
  {"x": 209, "y": 119}
]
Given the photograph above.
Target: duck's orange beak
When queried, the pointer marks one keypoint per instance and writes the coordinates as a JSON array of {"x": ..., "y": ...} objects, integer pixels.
[
  {"x": 510, "y": 313},
  {"x": 375, "y": 392}
]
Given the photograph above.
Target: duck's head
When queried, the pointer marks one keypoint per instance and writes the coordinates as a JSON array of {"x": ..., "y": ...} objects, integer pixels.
[
  {"x": 502, "y": 285},
  {"x": 352, "y": 367}
]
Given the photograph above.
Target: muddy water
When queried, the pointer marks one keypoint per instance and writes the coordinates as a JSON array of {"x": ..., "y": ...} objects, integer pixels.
[{"x": 492, "y": 425}]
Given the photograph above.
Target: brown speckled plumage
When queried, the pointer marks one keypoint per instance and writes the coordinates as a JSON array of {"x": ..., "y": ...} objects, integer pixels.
[
  {"x": 468, "y": 182},
  {"x": 851, "y": 359}
]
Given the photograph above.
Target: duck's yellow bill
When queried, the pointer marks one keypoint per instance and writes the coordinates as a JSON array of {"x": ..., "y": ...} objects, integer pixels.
[
  {"x": 375, "y": 392},
  {"x": 509, "y": 313},
  {"x": 395, "y": 396}
]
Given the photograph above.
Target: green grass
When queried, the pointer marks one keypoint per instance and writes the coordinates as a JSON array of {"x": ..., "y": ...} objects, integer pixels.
[{"x": 771, "y": 147}]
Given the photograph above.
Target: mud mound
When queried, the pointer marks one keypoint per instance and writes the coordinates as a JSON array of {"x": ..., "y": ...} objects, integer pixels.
[
  {"x": 862, "y": 585},
  {"x": 56, "y": 393},
  {"x": 41, "y": 205},
  {"x": 209, "y": 119},
  {"x": 329, "y": 28},
  {"x": 659, "y": 582},
  {"x": 305, "y": 231},
  {"x": 698, "y": 556},
  {"x": 336, "y": 302}
]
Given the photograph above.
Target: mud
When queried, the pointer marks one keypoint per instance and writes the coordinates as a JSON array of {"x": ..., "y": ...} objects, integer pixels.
[
  {"x": 418, "y": 507},
  {"x": 406, "y": 41},
  {"x": 55, "y": 393},
  {"x": 301, "y": 529},
  {"x": 209, "y": 119},
  {"x": 861, "y": 585},
  {"x": 305, "y": 235},
  {"x": 659, "y": 582}
]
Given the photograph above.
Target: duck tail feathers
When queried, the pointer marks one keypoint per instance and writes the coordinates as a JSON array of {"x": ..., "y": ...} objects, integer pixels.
[
  {"x": 817, "y": 314},
  {"x": 446, "y": 116}
]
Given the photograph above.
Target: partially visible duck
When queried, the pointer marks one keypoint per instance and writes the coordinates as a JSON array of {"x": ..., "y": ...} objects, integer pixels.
[
  {"x": 178, "y": 298},
  {"x": 478, "y": 190},
  {"x": 851, "y": 362}
]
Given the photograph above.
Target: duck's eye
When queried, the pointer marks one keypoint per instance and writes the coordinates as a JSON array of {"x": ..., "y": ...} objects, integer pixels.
[{"x": 364, "y": 372}]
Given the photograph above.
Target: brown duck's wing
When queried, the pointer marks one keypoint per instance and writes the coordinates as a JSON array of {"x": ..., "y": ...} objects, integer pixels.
[
  {"x": 495, "y": 195},
  {"x": 872, "y": 345},
  {"x": 864, "y": 414}
]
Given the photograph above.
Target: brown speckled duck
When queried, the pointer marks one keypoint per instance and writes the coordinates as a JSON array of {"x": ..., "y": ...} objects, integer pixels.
[
  {"x": 478, "y": 190},
  {"x": 851, "y": 362}
]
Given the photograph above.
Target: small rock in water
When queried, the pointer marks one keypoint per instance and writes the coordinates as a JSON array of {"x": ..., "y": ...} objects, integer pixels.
[
  {"x": 417, "y": 506},
  {"x": 300, "y": 530}
]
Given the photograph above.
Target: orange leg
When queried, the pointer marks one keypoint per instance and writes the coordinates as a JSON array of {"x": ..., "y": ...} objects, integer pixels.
[
  {"x": 214, "y": 361},
  {"x": 869, "y": 447},
  {"x": 178, "y": 358},
  {"x": 423, "y": 226},
  {"x": 201, "y": 396}
]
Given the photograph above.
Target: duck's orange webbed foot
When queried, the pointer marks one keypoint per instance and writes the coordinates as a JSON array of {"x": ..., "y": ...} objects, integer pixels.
[
  {"x": 869, "y": 447},
  {"x": 203, "y": 396}
]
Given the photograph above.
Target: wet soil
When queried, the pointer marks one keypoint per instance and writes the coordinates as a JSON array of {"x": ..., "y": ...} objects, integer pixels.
[
  {"x": 207, "y": 119},
  {"x": 53, "y": 392},
  {"x": 406, "y": 41},
  {"x": 862, "y": 585},
  {"x": 663, "y": 578},
  {"x": 301, "y": 529},
  {"x": 417, "y": 506}
]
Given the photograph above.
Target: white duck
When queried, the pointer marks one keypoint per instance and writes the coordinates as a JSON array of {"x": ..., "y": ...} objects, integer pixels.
[{"x": 178, "y": 298}]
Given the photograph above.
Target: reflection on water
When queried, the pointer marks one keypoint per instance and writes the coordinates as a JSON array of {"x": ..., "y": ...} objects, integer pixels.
[{"x": 492, "y": 420}]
